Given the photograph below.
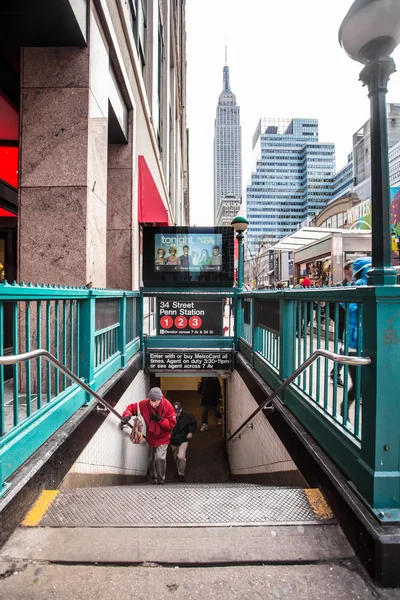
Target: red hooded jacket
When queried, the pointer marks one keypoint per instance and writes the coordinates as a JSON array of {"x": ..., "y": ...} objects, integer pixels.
[{"x": 159, "y": 433}]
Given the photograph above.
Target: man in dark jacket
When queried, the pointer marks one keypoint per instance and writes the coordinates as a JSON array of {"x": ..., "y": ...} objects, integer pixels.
[
  {"x": 210, "y": 390},
  {"x": 186, "y": 426}
]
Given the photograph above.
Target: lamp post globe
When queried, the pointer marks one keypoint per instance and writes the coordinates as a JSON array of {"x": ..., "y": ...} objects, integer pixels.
[
  {"x": 371, "y": 29},
  {"x": 240, "y": 224},
  {"x": 369, "y": 33}
]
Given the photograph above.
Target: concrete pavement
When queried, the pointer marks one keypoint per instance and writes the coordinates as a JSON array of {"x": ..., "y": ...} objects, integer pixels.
[{"x": 35, "y": 581}]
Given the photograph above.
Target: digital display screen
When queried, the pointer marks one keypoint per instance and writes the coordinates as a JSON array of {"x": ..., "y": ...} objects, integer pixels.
[
  {"x": 188, "y": 256},
  {"x": 188, "y": 252}
]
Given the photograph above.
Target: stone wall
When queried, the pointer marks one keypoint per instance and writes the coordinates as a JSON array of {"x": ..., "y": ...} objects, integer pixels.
[
  {"x": 110, "y": 457},
  {"x": 258, "y": 450}
]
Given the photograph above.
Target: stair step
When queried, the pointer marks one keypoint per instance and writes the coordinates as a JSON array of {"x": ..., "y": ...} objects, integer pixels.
[
  {"x": 227, "y": 523},
  {"x": 181, "y": 546},
  {"x": 185, "y": 505}
]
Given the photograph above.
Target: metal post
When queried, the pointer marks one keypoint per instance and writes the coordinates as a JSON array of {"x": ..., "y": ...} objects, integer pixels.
[
  {"x": 87, "y": 328},
  {"x": 287, "y": 326},
  {"x": 122, "y": 330},
  {"x": 240, "y": 260},
  {"x": 379, "y": 475},
  {"x": 376, "y": 76}
]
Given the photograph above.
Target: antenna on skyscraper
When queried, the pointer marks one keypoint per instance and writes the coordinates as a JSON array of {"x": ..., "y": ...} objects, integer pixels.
[{"x": 226, "y": 53}]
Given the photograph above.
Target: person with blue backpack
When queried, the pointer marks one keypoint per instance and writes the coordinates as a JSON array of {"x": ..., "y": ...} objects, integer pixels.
[{"x": 361, "y": 266}]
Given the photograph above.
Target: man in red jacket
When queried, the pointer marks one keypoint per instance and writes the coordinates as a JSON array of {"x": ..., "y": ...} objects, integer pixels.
[{"x": 160, "y": 419}]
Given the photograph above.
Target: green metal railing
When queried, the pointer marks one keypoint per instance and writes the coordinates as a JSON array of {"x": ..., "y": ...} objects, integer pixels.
[
  {"x": 94, "y": 333},
  {"x": 339, "y": 359},
  {"x": 353, "y": 413}
]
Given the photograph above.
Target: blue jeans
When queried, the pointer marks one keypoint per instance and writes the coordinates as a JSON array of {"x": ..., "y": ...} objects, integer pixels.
[{"x": 205, "y": 409}]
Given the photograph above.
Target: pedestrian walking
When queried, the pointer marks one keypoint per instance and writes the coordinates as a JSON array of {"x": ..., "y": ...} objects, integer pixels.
[
  {"x": 348, "y": 276},
  {"x": 210, "y": 390},
  {"x": 185, "y": 428},
  {"x": 159, "y": 416},
  {"x": 361, "y": 266},
  {"x": 304, "y": 321}
]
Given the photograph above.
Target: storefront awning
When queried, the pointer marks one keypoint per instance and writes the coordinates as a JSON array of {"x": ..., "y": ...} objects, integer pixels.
[
  {"x": 151, "y": 206},
  {"x": 304, "y": 237},
  {"x": 45, "y": 23}
]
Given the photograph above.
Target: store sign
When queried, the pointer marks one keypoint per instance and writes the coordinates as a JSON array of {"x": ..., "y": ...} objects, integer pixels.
[
  {"x": 359, "y": 216},
  {"x": 189, "y": 360},
  {"x": 184, "y": 317},
  {"x": 271, "y": 266}
]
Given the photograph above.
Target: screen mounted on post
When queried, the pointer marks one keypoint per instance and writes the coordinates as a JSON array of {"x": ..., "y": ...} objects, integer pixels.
[{"x": 188, "y": 256}]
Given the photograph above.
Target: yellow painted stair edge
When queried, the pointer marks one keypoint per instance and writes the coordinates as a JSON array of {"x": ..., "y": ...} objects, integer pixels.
[
  {"x": 39, "y": 509},
  {"x": 319, "y": 505}
]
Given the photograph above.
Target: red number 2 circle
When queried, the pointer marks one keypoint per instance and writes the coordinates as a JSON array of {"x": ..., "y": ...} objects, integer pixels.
[{"x": 181, "y": 322}]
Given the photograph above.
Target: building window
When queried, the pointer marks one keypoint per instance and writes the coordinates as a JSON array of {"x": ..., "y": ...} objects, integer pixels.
[
  {"x": 160, "y": 84},
  {"x": 139, "y": 26}
]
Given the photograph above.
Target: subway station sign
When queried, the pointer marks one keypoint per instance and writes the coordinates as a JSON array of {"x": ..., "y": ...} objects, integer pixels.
[
  {"x": 176, "y": 316},
  {"x": 189, "y": 360}
]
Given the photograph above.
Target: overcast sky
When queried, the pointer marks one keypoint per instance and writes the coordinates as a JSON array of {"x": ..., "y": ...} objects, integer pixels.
[{"x": 285, "y": 61}]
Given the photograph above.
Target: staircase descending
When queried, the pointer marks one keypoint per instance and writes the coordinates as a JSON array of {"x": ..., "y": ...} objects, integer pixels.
[
  {"x": 183, "y": 524},
  {"x": 206, "y": 521}
]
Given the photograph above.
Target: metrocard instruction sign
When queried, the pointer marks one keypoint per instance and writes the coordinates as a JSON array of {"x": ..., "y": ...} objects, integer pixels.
[{"x": 189, "y": 360}]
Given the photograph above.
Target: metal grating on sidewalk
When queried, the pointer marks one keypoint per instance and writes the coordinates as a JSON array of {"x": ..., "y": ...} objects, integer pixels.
[{"x": 185, "y": 505}]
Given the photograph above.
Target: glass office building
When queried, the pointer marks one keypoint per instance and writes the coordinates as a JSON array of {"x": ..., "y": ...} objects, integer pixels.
[
  {"x": 292, "y": 179},
  {"x": 343, "y": 181}
]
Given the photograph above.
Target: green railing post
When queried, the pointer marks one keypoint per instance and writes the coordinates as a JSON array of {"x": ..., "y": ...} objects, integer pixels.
[
  {"x": 122, "y": 330},
  {"x": 238, "y": 313},
  {"x": 87, "y": 328},
  {"x": 255, "y": 329},
  {"x": 287, "y": 347},
  {"x": 379, "y": 475}
]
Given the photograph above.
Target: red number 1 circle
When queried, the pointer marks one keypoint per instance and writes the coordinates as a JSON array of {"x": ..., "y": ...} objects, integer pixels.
[
  {"x": 195, "y": 322},
  {"x": 166, "y": 322},
  {"x": 181, "y": 322}
]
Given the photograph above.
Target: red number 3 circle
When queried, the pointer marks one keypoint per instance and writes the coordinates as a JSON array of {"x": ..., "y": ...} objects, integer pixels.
[{"x": 195, "y": 322}]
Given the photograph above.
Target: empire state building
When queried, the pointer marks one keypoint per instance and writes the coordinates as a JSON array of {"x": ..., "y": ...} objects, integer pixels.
[{"x": 227, "y": 145}]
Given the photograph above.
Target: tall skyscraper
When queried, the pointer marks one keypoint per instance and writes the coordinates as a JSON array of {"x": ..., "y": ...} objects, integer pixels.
[
  {"x": 292, "y": 179},
  {"x": 227, "y": 145}
]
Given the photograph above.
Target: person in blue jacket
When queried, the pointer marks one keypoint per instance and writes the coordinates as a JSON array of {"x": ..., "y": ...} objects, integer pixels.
[{"x": 361, "y": 267}]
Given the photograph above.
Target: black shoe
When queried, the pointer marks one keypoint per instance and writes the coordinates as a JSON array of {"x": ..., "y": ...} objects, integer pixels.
[
  {"x": 176, "y": 475},
  {"x": 181, "y": 478}
]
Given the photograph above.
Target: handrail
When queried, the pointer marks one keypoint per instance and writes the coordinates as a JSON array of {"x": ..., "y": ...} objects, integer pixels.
[
  {"x": 356, "y": 361},
  {"x": 19, "y": 358}
]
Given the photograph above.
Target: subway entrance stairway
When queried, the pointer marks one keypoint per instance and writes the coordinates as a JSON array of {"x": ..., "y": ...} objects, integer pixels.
[
  {"x": 221, "y": 538},
  {"x": 218, "y": 521},
  {"x": 266, "y": 508}
]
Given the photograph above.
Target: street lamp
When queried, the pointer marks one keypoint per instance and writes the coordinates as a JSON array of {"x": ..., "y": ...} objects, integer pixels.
[
  {"x": 369, "y": 34},
  {"x": 240, "y": 224}
]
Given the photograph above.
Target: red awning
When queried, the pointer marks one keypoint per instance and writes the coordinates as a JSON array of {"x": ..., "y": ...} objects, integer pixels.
[
  {"x": 151, "y": 205},
  {"x": 6, "y": 213}
]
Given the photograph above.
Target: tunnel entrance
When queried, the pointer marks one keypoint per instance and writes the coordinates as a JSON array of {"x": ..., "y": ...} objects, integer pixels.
[{"x": 207, "y": 460}]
